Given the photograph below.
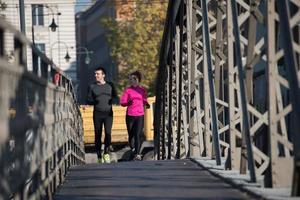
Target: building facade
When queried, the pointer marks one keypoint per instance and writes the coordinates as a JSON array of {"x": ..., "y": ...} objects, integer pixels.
[
  {"x": 39, "y": 14},
  {"x": 91, "y": 34}
]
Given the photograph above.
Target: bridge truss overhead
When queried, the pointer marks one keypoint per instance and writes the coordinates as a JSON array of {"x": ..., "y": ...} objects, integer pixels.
[{"x": 228, "y": 87}]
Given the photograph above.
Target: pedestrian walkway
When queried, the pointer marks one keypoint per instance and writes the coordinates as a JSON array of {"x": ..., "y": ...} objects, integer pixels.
[{"x": 168, "y": 180}]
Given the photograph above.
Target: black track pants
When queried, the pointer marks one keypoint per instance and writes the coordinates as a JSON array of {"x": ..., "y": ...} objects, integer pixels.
[
  {"x": 135, "y": 125},
  {"x": 101, "y": 119}
]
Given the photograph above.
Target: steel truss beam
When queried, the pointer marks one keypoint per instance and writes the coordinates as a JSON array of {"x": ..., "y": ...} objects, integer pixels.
[
  {"x": 228, "y": 86},
  {"x": 287, "y": 43}
]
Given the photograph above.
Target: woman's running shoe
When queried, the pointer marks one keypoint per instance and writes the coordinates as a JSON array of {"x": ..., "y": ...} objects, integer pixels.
[{"x": 137, "y": 157}]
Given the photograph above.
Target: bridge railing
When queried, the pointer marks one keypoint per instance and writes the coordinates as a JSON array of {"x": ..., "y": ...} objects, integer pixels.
[
  {"x": 228, "y": 87},
  {"x": 40, "y": 123}
]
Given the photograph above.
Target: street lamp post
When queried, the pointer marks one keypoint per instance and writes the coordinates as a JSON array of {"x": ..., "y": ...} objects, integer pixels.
[
  {"x": 22, "y": 16},
  {"x": 79, "y": 68},
  {"x": 87, "y": 59},
  {"x": 53, "y": 26},
  {"x": 67, "y": 56}
]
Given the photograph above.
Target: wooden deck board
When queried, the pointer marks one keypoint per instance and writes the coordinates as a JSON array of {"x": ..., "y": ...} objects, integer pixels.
[{"x": 175, "y": 179}]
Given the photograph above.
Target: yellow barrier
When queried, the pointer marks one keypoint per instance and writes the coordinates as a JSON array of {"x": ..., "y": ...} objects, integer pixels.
[
  {"x": 119, "y": 130},
  {"x": 148, "y": 121}
]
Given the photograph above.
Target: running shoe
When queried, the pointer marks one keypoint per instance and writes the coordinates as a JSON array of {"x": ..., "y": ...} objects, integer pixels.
[
  {"x": 100, "y": 160},
  {"x": 137, "y": 157},
  {"x": 106, "y": 158}
]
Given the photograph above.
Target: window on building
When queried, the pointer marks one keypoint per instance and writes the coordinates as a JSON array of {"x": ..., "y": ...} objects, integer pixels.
[{"x": 37, "y": 14}]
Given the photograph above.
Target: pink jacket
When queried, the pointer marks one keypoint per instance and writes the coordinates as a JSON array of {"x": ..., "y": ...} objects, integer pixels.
[{"x": 134, "y": 98}]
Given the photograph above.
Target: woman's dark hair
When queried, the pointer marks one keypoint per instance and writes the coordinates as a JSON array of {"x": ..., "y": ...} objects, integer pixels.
[
  {"x": 137, "y": 74},
  {"x": 100, "y": 69}
]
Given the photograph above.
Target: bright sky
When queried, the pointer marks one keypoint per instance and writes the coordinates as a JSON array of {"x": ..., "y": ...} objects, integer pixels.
[{"x": 81, "y": 5}]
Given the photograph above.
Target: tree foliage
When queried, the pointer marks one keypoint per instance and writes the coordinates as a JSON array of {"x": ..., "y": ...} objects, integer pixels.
[{"x": 135, "y": 42}]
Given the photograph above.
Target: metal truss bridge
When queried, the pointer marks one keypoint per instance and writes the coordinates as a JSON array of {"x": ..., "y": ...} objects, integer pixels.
[{"x": 227, "y": 94}]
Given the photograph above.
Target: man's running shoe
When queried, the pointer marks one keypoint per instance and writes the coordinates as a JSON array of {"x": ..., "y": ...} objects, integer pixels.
[
  {"x": 106, "y": 158},
  {"x": 100, "y": 160}
]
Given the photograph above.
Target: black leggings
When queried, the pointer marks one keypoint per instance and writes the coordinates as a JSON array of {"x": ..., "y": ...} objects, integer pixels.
[
  {"x": 135, "y": 125},
  {"x": 100, "y": 119}
]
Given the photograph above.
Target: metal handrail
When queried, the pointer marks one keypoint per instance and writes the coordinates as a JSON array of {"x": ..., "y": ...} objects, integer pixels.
[{"x": 41, "y": 126}]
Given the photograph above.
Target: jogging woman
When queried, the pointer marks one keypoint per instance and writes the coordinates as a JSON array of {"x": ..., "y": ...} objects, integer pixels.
[{"x": 135, "y": 98}]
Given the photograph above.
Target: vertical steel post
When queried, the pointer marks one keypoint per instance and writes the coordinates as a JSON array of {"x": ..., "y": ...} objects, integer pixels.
[
  {"x": 176, "y": 134},
  {"x": 186, "y": 82},
  {"x": 232, "y": 164},
  {"x": 271, "y": 54},
  {"x": 180, "y": 133},
  {"x": 292, "y": 69},
  {"x": 218, "y": 51},
  {"x": 194, "y": 149},
  {"x": 215, "y": 135},
  {"x": 190, "y": 74},
  {"x": 169, "y": 97},
  {"x": 243, "y": 95}
]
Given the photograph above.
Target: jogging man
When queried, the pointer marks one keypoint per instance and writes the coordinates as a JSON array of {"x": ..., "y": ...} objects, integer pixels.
[{"x": 102, "y": 94}]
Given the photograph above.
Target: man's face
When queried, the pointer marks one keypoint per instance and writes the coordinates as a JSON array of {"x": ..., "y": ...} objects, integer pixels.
[{"x": 99, "y": 75}]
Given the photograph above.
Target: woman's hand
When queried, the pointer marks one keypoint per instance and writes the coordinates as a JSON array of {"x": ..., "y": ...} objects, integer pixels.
[
  {"x": 130, "y": 102},
  {"x": 147, "y": 105}
]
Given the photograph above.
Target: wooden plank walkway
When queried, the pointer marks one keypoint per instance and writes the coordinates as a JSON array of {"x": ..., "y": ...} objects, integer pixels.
[{"x": 168, "y": 180}]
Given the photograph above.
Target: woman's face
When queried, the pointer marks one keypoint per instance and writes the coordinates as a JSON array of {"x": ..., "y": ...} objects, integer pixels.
[{"x": 133, "y": 80}]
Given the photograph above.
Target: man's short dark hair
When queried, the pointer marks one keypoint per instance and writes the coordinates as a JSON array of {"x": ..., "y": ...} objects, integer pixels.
[
  {"x": 137, "y": 74},
  {"x": 100, "y": 69}
]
